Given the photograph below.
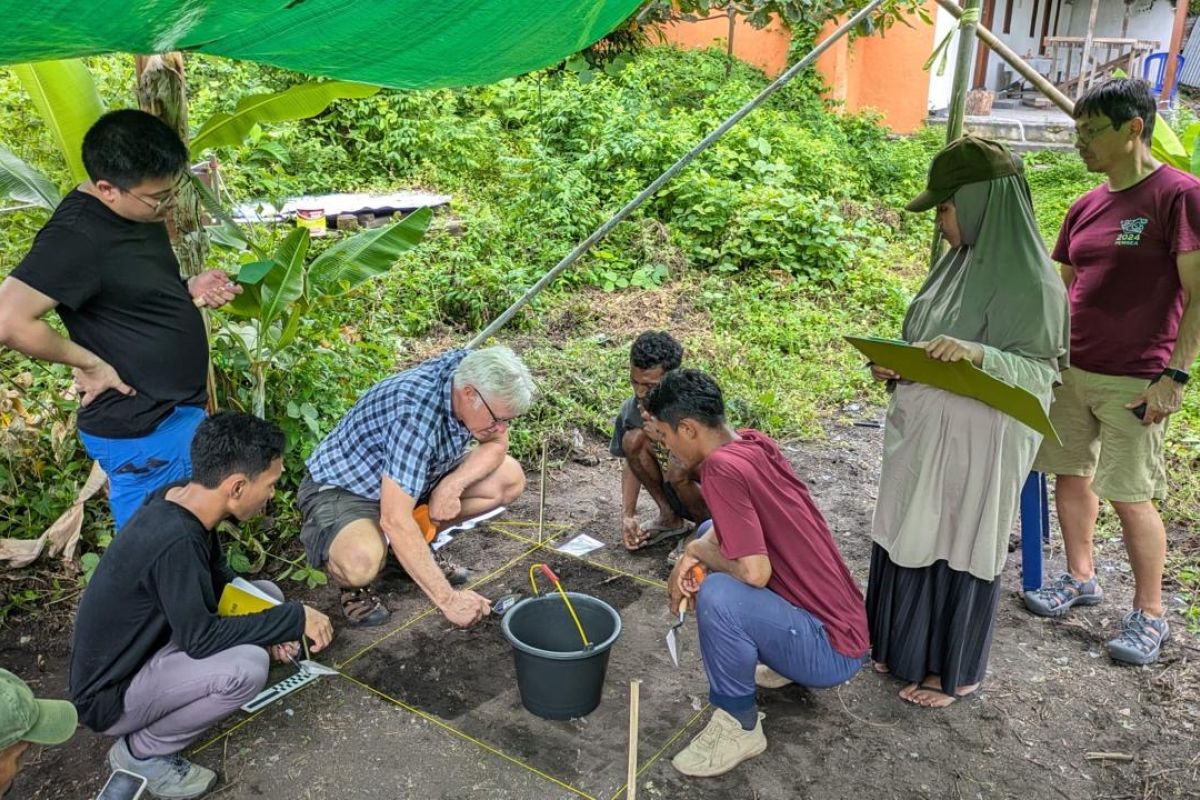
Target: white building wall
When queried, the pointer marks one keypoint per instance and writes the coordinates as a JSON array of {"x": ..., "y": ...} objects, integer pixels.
[{"x": 1150, "y": 19}]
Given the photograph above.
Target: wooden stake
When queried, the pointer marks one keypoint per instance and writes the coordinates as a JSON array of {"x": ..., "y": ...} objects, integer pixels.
[
  {"x": 631, "y": 773},
  {"x": 542, "y": 496}
]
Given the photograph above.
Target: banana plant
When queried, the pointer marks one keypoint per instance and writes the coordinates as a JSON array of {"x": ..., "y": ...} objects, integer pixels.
[{"x": 278, "y": 291}]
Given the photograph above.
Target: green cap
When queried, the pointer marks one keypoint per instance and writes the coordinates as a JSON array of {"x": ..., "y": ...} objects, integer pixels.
[
  {"x": 966, "y": 160},
  {"x": 24, "y": 718}
]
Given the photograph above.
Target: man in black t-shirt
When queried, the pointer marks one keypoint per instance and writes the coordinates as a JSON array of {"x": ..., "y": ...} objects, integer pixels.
[
  {"x": 137, "y": 341},
  {"x": 646, "y": 463},
  {"x": 152, "y": 662}
]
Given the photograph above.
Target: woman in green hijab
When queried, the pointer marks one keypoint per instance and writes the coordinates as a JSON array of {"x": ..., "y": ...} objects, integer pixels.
[{"x": 952, "y": 466}]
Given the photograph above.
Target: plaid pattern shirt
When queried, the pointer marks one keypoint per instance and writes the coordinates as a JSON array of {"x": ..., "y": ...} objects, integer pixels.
[{"x": 402, "y": 427}]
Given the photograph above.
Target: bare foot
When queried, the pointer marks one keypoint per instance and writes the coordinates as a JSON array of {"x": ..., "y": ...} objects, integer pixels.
[
  {"x": 930, "y": 695},
  {"x": 907, "y": 692},
  {"x": 880, "y": 668}
]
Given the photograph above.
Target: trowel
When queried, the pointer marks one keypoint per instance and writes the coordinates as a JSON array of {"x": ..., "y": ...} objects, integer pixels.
[
  {"x": 313, "y": 668},
  {"x": 673, "y": 636},
  {"x": 697, "y": 575}
]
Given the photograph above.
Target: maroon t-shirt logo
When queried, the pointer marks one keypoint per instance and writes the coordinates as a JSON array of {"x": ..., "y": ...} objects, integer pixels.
[{"x": 1131, "y": 232}]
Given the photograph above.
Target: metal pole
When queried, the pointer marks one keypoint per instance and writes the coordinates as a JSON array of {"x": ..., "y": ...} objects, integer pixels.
[
  {"x": 671, "y": 172},
  {"x": 962, "y": 75},
  {"x": 1016, "y": 62}
]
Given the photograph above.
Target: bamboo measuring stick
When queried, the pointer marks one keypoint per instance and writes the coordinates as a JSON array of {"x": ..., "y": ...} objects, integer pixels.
[
  {"x": 631, "y": 773},
  {"x": 542, "y": 497}
]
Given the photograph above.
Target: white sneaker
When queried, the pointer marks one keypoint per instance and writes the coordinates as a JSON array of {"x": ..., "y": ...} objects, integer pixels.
[
  {"x": 768, "y": 678},
  {"x": 721, "y": 746},
  {"x": 167, "y": 777}
]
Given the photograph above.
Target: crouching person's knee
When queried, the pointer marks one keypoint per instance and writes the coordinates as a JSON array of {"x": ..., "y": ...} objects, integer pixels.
[
  {"x": 718, "y": 594},
  {"x": 244, "y": 674},
  {"x": 357, "y": 566},
  {"x": 514, "y": 481}
]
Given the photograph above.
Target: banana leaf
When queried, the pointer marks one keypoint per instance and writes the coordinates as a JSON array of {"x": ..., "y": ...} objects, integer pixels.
[
  {"x": 24, "y": 184},
  {"x": 285, "y": 282},
  {"x": 296, "y": 102},
  {"x": 366, "y": 255},
  {"x": 66, "y": 98}
]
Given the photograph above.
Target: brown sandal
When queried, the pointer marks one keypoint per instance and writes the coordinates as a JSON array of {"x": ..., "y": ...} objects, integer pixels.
[{"x": 362, "y": 607}]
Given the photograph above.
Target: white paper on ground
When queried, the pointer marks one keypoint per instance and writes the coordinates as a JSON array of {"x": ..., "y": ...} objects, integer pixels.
[
  {"x": 444, "y": 537},
  {"x": 581, "y": 545}
]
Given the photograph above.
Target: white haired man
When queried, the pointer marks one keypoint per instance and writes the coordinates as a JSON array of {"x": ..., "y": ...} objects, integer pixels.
[{"x": 401, "y": 457}]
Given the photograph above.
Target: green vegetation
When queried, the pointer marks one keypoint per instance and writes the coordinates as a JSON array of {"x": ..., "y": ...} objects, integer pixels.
[{"x": 760, "y": 256}]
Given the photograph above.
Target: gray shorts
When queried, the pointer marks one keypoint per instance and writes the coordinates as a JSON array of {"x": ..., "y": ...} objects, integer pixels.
[{"x": 324, "y": 511}]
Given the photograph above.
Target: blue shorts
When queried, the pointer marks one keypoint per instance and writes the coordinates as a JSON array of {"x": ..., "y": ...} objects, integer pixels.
[{"x": 136, "y": 467}]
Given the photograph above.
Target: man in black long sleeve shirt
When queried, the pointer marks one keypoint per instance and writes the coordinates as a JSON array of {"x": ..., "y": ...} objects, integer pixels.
[{"x": 152, "y": 661}]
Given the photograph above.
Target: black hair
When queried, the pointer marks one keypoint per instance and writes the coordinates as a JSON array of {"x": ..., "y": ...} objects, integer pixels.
[
  {"x": 687, "y": 393},
  {"x": 656, "y": 349},
  {"x": 128, "y": 146},
  {"x": 228, "y": 443},
  {"x": 1121, "y": 99}
]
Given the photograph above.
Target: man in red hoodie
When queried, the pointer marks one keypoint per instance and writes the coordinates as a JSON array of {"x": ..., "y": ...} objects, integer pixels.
[{"x": 778, "y": 604}]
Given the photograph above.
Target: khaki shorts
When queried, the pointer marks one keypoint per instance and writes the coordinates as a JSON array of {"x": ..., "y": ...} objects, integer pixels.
[{"x": 1102, "y": 438}]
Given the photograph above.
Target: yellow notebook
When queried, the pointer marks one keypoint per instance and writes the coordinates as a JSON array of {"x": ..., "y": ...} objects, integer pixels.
[
  {"x": 959, "y": 377},
  {"x": 240, "y": 597}
]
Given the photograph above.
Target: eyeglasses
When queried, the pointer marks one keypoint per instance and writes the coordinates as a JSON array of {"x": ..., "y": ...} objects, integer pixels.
[
  {"x": 1087, "y": 135},
  {"x": 157, "y": 206},
  {"x": 496, "y": 421}
]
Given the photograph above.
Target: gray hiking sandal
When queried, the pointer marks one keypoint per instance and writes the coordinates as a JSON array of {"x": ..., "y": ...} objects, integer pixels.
[
  {"x": 1142, "y": 637},
  {"x": 1057, "y": 599}
]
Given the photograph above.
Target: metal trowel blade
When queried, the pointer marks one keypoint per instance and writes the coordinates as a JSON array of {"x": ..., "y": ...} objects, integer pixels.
[{"x": 313, "y": 668}]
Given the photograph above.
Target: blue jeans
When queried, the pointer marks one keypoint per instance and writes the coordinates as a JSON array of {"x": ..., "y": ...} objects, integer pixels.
[
  {"x": 741, "y": 626},
  {"x": 136, "y": 467}
]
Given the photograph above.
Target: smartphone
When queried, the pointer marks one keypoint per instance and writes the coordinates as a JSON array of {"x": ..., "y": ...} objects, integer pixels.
[
  {"x": 1140, "y": 411},
  {"x": 122, "y": 785}
]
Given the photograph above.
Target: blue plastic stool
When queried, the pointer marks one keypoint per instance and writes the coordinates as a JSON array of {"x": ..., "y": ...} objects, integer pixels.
[
  {"x": 1159, "y": 62},
  {"x": 1035, "y": 530}
]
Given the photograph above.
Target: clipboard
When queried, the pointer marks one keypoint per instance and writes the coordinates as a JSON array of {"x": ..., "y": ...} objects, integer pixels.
[{"x": 959, "y": 377}]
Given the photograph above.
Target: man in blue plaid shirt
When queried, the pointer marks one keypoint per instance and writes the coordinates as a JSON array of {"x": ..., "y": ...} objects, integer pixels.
[{"x": 399, "y": 467}]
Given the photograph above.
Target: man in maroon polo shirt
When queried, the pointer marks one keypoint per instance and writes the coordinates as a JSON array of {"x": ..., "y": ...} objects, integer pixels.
[{"x": 1130, "y": 255}]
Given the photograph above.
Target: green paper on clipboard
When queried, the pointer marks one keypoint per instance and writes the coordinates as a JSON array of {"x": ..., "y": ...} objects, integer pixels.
[{"x": 959, "y": 377}]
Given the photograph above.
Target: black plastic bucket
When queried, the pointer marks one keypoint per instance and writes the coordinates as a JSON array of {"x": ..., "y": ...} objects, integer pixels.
[{"x": 557, "y": 677}]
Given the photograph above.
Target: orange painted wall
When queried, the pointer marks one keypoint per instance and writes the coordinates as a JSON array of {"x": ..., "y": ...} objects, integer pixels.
[
  {"x": 766, "y": 49},
  {"x": 883, "y": 72},
  {"x": 879, "y": 72}
]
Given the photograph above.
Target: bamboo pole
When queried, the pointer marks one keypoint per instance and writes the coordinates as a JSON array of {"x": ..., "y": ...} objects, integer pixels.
[
  {"x": 542, "y": 496},
  {"x": 1087, "y": 50},
  {"x": 1015, "y": 61},
  {"x": 631, "y": 771},
  {"x": 962, "y": 75},
  {"x": 644, "y": 195}
]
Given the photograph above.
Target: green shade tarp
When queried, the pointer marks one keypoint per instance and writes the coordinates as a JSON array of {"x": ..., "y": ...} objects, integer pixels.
[{"x": 405, "y": 44}]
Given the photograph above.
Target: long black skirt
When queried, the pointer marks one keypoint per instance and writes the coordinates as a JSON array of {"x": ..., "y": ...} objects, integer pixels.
[{"x": 930, "y": 621}]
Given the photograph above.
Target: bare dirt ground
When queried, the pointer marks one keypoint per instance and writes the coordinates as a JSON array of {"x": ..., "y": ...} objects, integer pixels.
[{"x": 426, "y": 711}]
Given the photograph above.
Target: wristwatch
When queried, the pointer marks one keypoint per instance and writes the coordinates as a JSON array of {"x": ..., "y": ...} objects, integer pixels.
[{"x": 1177, "y": 375}]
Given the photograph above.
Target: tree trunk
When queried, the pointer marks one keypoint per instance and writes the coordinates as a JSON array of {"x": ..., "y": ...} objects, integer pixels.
[{"x": 162, "y": 91}]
